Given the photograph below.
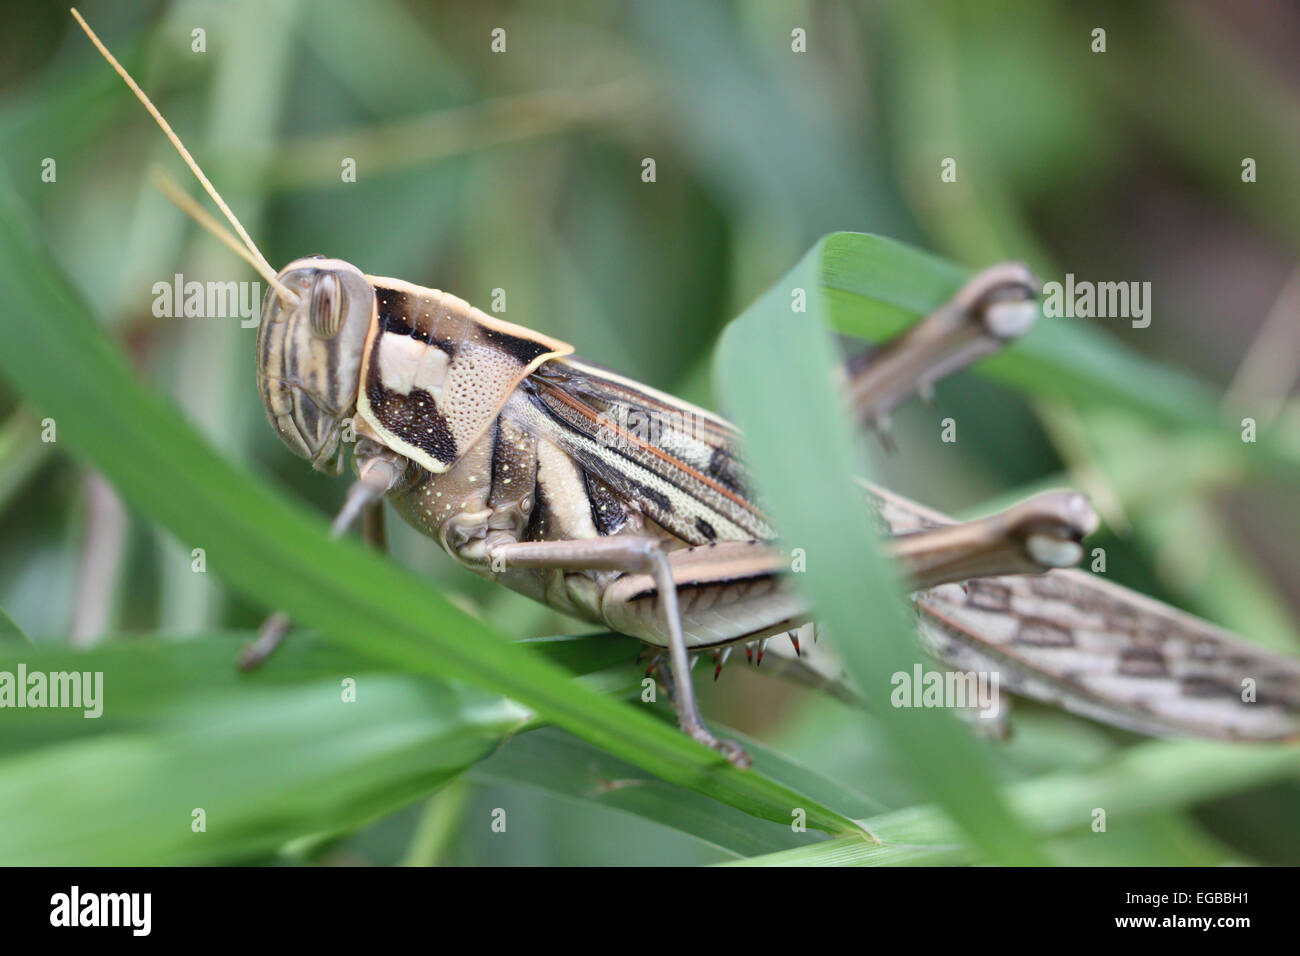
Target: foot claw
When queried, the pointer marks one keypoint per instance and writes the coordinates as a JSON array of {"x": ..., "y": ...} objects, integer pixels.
[
  {"x": 733, "y": 752},
  {"x": 249, "y": 659},
  {"x": 272, "y": 632},
  {"x": 728, "y": 748}
]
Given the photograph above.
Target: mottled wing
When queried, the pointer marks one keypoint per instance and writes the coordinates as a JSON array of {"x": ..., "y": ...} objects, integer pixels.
[
  {"x": 1103, "y": 651},
  {"x": 675, "y": 463}
]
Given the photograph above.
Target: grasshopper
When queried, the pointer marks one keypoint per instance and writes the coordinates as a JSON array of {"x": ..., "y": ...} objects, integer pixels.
[{"x": 528, "y": 465}]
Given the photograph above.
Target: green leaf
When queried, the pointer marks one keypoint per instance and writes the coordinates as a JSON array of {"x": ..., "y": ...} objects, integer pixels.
[
  {"x": 187, "y": 695},
  {"x": 1159, "y": 838},
  {"x": 1157, "y": 775},
  {"x": 148, "y": 678},
  {"x": 280, "y": 555},
  {"x": 271, "y": 757},
  {"x": 9, "y": 629},
  {"x": 21, "y": 454},
  {"x": 774, "y": 370},
  {"x": 265, "y": 765},
  {"x": 873, "y": 287},
  {"x": 439, "y": 824},
  {"x": 563, "y": 765}
]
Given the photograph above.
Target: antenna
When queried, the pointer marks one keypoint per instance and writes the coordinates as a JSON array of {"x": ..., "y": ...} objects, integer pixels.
[
  {"x": 186, "y": 204},
  {"x": 255, "y": 257}
]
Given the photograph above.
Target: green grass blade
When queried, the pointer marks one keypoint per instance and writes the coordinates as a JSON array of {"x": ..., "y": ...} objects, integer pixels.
[
  {"x": 774, "y": 375},
  {"x": 443, "y": 816},
  {"x": 156, "y": 688},
  {"x": 563, "y": 765},
  {"x": 272, "y": 757},
  {"x": 10, "y": 631},
  {"x": 875, "y": 286},
  {"x": 1157, "y": 775},
  {"x": 266, "y": 765},
  {"x": 22, "y": 453},
  {"x": 148, "y": 677},
  {"x": 280, "y": 555}
]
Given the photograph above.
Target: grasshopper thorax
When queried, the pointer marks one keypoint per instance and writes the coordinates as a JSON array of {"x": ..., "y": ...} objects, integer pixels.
[{"x": 309, "y": 354}]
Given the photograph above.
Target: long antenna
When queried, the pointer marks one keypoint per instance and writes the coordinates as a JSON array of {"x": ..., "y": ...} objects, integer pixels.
[
  {"x": 260, "y": 262},
  {"x": 188, "y": 205}
]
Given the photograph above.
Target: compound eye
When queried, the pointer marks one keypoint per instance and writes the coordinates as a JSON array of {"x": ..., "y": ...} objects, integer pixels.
[{"x": 326, "y": 305}]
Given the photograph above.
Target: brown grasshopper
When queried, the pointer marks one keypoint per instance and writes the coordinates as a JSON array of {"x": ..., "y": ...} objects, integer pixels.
[{"x": 628, "y": 508}]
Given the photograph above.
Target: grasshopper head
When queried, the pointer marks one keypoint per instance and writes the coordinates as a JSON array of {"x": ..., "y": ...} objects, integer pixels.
[{"x": 309, "y": 354}]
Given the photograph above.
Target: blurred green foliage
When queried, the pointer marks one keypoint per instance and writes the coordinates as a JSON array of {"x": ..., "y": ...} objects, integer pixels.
[{"x": 522, "y": 170}]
